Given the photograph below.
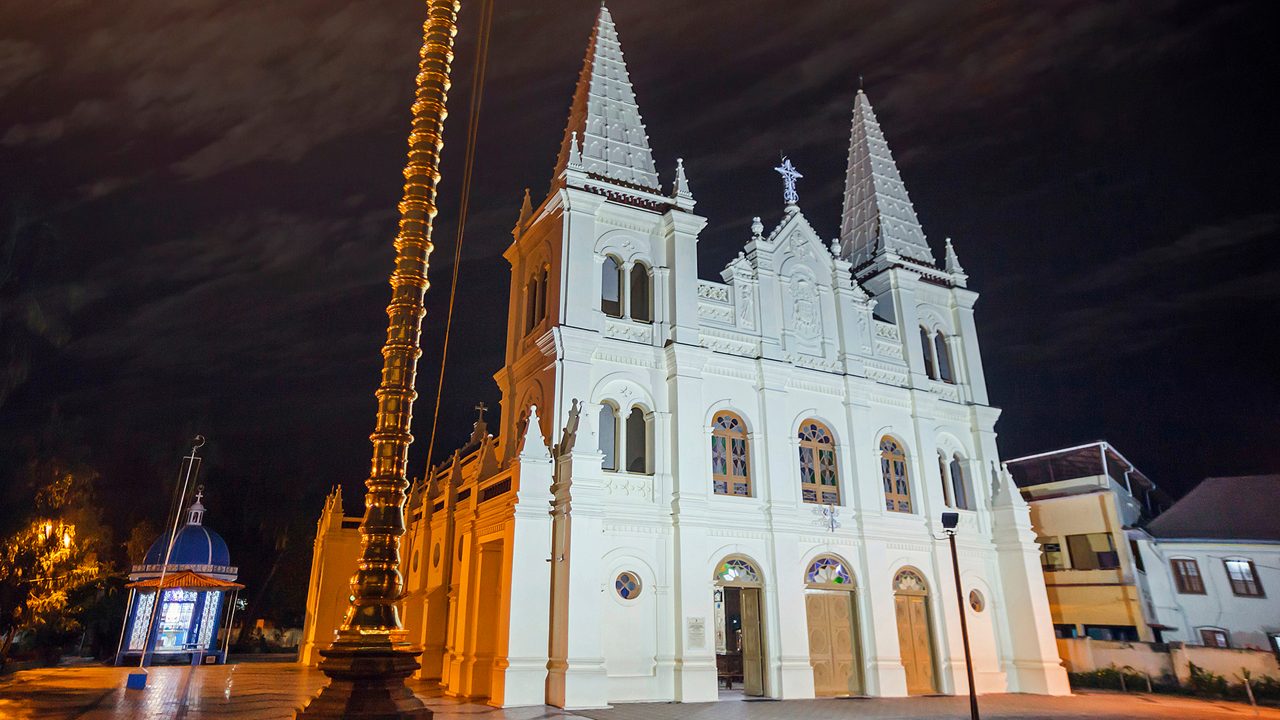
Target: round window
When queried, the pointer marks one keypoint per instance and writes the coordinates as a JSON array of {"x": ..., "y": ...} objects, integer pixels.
[
  {"x": 627, "y": 585},
  {"x": 976, "y": 601},
  {"x": 435, "y": 556}
]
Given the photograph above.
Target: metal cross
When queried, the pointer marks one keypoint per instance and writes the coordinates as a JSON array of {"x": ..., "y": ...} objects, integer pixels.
[
  {"x": 829, "y": 514},
  {"x": 481, "y": 407},
  {"x": 789, "y": 176}
]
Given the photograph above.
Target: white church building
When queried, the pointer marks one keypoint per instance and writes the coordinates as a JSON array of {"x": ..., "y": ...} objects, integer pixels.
[{"x": 710, "y": 487}]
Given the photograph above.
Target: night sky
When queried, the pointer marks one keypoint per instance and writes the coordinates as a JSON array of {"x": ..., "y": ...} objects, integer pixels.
[{"x": 203, "y": 195}]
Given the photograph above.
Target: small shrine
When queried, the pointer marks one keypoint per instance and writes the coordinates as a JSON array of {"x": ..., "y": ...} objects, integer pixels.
[{"x": 195, "y": 587}]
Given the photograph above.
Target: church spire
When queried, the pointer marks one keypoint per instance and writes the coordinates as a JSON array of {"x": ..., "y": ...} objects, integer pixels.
[
  {"x": 605, "y": 117},
  {"x": 878, "y": 216}
]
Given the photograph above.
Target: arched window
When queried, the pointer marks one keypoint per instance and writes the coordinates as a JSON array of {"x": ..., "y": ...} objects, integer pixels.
[
  {"x": 828, "y": 571},
  {"x": 611, "y": 287},
  {"x": 609, "y": 436},
  {"x": 893, "y": 469},
  {"x": 641, "y": 300},
  {"x": 637, "y": 444},
  {"x": 944, "y": 358},
  {"x": 542, "y": 294},
  {"x": 530, "y": 304},
  {"x": 926, "y": 346},
  {"x": 960, "y": 489},
  {"x": 946, "y": 485},
  {"x": 818, "y": 482},
  {"x": 729, "y": 473}
]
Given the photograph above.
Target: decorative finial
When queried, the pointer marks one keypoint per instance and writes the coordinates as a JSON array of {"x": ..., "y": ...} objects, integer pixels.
[
  {"x": 682, "y": 182},
  {"x": 952, "y": 264},
  {"x": 789, "y": 176},
  {"x": 526, "y": 208},
  {"x": 480, "y": 408},
  {"x": 199, "y": 492},
  {"x": 757, "y": 228},
  {"x": 859, "y": 82},
  {"x": 575, "y": 155}
]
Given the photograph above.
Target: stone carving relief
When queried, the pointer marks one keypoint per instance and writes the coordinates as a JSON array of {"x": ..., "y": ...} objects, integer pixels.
[{"x": 806, "y": 313}]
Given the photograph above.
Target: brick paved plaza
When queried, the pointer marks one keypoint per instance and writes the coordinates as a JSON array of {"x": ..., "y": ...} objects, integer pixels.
[{"x": 253, "y": 691}]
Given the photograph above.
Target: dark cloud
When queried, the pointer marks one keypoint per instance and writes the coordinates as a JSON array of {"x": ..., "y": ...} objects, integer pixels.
[{"x": 220, "y": 179}]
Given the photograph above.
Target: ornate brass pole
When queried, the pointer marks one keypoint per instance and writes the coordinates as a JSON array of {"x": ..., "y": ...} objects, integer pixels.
[{"x": 370, "y": 658}]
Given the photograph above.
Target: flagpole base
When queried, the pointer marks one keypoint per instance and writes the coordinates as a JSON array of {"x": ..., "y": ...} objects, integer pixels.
[{"x": 367, "y": 684}]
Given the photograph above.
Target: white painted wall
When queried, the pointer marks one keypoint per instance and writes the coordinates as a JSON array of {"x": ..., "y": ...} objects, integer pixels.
[{"x": 1248, "y": 620}]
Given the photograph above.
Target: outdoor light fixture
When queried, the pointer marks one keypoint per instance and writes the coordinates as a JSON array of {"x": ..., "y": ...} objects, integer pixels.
[{"x": 949, "y": 522}]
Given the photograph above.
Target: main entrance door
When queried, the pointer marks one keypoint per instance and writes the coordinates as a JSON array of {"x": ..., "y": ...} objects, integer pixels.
[
  {"x": 739, "y": 627},
  {"x": 832, "y": 623},
  {"x": 911, "y": 600}
]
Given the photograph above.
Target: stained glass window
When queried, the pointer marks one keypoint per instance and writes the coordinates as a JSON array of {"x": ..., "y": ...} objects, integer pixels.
[
  {"x": 893, "y": 470},
  {"x": 818, "y": 478},
  {"x": 729, "y": 466},
  {"x": 909, "y": 582},
  {"x": 739, "y": 571},
  {"x": 828, "y": 571},
  {"x": 144, "y": 604},
  {"x": 208, "y": 617},
  {"x": 960, "y": 484},
  {"x": 627, "y": 585}
]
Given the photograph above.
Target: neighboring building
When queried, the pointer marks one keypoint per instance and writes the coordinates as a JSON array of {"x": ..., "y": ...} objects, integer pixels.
[
  {"x": 1213, "y": 564},
  {"x": 197, "y": 583},
  {"x": 747, "y": 474},
  {"x": 1086, "y": 503}
]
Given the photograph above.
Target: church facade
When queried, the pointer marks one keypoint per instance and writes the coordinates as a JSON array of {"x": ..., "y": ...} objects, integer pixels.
[{"x": 707, "y": 486}]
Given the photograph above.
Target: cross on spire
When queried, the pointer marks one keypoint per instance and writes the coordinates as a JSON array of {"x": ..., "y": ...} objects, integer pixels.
[
  {"x": 480, "y": 408},
  {"x": 789, "y": 176}
]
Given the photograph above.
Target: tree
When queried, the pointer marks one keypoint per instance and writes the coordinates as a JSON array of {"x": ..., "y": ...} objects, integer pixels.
[{"x": 50, "y": 567}]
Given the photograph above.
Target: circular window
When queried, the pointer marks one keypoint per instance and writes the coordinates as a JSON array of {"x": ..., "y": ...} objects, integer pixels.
[
  {"x": 976, "y": 601},
  {"x": 627, "y": 585},
  {"x": 435, "y": 556}
]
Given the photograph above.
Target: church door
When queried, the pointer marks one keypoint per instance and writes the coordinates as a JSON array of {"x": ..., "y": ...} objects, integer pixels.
[
  {"x": 752, "y": 660},
  {"x": 911, "y": 602},
  {"x": 832, "y": 650},
  {"x": 740, "y": 646},
  {"x": 832, "y": 622}
]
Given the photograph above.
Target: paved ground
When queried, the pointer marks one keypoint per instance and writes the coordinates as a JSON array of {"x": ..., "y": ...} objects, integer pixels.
[{"x": 253, "y": 691}]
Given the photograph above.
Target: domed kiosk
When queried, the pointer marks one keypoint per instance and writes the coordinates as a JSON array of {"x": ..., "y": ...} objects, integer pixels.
[{"x": 194, "y": 586}]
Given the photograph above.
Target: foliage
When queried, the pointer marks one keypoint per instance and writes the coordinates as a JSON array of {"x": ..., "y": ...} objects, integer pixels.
[
  {"x": 1206, "y": 682},
  {"x": 50, "y": 567}
]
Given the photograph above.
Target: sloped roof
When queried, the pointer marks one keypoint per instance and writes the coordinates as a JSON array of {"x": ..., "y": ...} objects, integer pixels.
[
  {"x": 186, "y": 579},
  {"x": 1224, "y": 508}
]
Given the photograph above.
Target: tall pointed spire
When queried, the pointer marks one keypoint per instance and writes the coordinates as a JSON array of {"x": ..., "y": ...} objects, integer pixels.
[
  {"x": 878, "y": 215},
  {"x": 605, "y": 116}
]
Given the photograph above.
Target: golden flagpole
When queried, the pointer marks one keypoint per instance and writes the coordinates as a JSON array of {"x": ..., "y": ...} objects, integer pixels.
[{"x": 370, "y": 659}]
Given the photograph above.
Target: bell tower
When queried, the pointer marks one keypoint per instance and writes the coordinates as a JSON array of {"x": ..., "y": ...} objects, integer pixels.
[{"x": 606, "y": 255}]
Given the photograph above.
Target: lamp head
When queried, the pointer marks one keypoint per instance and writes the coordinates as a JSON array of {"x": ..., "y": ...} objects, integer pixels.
[{"x": 950, "y": 520}]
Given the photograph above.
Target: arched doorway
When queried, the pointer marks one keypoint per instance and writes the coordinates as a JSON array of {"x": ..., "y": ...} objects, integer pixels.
[
  {"x": 911, "y": 600},
  {"x": 833, "y": 628},
  {"x": 739, "y": 627}
]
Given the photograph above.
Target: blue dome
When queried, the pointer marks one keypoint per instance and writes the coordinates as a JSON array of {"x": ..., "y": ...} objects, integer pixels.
[{"x": 196, "y": 545}]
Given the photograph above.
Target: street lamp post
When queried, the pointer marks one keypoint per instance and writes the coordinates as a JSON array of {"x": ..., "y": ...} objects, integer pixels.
[{"x": 949, "y": 522}]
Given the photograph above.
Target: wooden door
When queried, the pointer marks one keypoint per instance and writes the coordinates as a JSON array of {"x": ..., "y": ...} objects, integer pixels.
[
  {"x": 833, "y": 643},
  {"x": 752, "y": 662},
  {"x": 913, "y": 641}
]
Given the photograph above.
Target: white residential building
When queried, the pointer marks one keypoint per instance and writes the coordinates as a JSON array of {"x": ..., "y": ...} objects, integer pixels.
[{"x": 1212, "y": 564}]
